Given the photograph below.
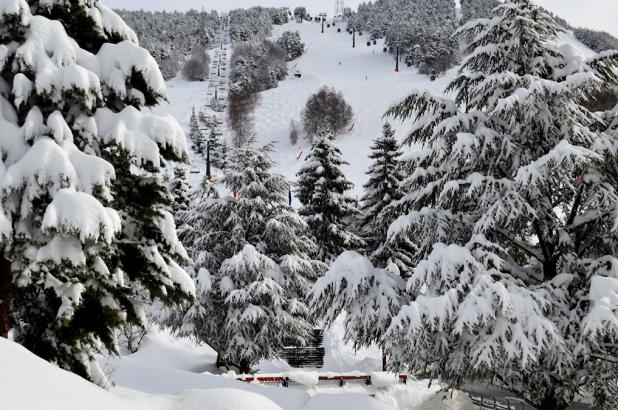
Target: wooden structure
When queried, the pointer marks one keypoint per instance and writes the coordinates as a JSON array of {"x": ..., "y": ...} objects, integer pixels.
[{"x": 311, "y": 355}]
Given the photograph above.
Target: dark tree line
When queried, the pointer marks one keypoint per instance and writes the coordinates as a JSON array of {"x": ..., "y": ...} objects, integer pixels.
[
  {"x": 256, "y": 66},
  {"x": 423, "y": 30},
  {"x": 172, "y": 37},
  {"x": 256, "y": 22}
]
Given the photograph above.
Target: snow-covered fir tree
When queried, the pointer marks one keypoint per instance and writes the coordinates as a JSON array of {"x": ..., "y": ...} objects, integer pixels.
[
  {"x": 476, "y": 9},
  {"x": 599, "y": 41},
  {"x": 181, "y": 192},
  {"x": 252, "y": 250},
  {"x": 256, "y": 22},
  {"x": 368, "y": 295},
  {"x": 512, "y": 209},
  {"x": 83, "y": 225},
  {"x": 322, "y": 188},
  {"x": 369, "y": 290},
  {"x": 421, "y": 29},
  {"x": 291, "y": 42},
  {"x": 172, "y": 36},
  {"x": 217, "y": 149},
  {"x": 196, "y": 133},
  {"x": 383, "y": 187}
]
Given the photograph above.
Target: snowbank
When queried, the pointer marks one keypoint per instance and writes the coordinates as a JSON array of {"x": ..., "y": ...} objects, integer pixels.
[
  {"x": 306, "y": 378},
  {"x": 222, "y": 399},
  {"x": 345, "y": 401},
  {"x": 384, "y": 379},
  {"x": 30, "y": 383}
]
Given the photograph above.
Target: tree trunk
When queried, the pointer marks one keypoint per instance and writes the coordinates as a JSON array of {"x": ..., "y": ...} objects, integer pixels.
[
  {"x": 550, "y": 269},
  {"x": 383, "y": 361},
  {"x": 551, "y": 403},
  {"x": 220, "y": 361},
  {"x": 6, "y": 295},
  {"x": 244, "y": 367}
]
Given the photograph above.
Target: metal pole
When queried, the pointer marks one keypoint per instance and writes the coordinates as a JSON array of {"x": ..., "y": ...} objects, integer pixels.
[
  {"x": 353, "y": 38},
  {"x": 397, "y": 63},
  {"x": 208, "y": 173}
]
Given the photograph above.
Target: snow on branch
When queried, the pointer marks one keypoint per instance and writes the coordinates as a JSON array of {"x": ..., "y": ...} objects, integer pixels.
[{"x": 142, "y": 135}]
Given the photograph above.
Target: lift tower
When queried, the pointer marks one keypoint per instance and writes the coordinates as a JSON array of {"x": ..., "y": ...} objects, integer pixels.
[{"x": 339, "y": 10}]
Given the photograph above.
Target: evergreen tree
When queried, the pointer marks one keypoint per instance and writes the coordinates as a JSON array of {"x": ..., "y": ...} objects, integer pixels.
[
  {"x": 180, "y": 190},
  {"x": 172, "y": 36},
  {"x": 476, "y": 9},
  {"x": 216, "y": 148},
  {"x": 258, "y": 258},
  {"x": 511, "y": 209},
  {"x": 369, "y": 296},
  {"x": 82, "y": 225},
  {"x": 382, "y": 189},
  {"x": 196, "y": 134},
  {"x": 292, "y": 44},
  {"x": 327, "y": 210}
]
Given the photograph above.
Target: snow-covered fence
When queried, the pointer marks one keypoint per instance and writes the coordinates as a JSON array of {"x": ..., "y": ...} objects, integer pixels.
[
  {"x": 496, "y": 403},
  {"x": 328, "y": 379}
]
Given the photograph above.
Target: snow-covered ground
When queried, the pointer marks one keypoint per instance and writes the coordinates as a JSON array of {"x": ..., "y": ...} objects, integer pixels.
[
  {"x": 166, "y": 365},
  {"x": 368, "y": 81},
  {"x": 175, "y": 374},
  {"x": 366, "y": 77}
]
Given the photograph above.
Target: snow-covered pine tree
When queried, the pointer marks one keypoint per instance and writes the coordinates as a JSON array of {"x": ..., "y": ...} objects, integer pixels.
[
  {"x": 259, "y": 259},
  {"x": 217, "y": 149},
  {"x": 321, "y": 190},
  {"x": 512, "y": 210},
  {"x": 383, "y": 187},
  {"x": 82, "y": 221},
  {"x": 369, "y": 296},
  {"x": 476, "y": 9},
  {"x": 181, "y": 192},
  {"x": 292, "y": 44},
  {"x": 196, "y": 134}
]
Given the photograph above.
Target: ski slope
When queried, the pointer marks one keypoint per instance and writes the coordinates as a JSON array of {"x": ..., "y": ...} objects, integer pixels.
[
  {"x": 368, "y": 81},
  {"x": 366, "y": 77}
]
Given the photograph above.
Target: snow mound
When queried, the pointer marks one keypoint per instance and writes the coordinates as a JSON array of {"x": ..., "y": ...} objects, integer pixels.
[
  {"x": 30, "y": 383},
  {"x": 223, "y": 399},
  {"x": 308, "y": 379},
  {"x": 345, "y": 401},
  {"x": 384, "y": 379}
]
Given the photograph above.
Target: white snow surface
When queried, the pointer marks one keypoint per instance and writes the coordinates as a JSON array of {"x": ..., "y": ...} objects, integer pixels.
[
  {"x": 30, "y": 383},
  {"x": 366, "y": 77},
  {"x": 172, "y": 373}
]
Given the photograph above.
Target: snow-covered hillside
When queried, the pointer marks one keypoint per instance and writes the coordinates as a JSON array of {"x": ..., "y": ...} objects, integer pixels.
[
  {"x": 366, "y": 77},
  {"x": 163, "y": 376}
]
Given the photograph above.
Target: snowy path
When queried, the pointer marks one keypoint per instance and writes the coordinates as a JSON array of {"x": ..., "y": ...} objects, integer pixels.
[{"x": 367, "y": 79}]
